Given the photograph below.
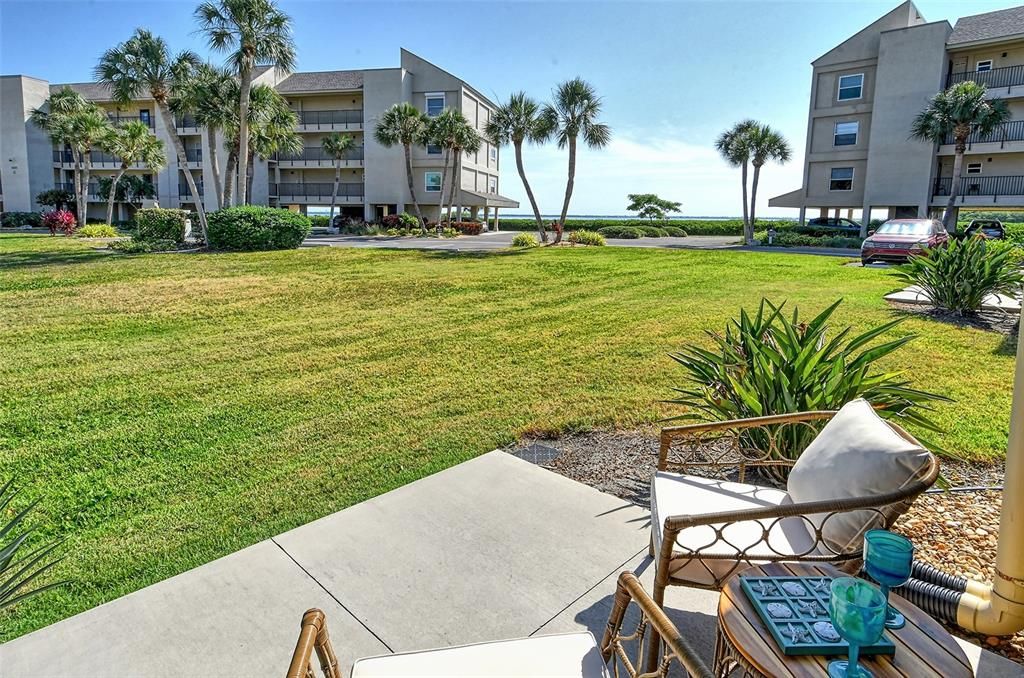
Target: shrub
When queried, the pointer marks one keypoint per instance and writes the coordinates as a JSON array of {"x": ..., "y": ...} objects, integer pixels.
[
  {"x": 1015, "y": 233},
  {"x": 674, "y": 231},
  {"x": 133, "y": 246},
  {"x": 1015, "y": 250},
  {"x": 408, "y": 221},
  {"x": 652, "y": 231},
  {"x": 586, "y": 238},
  {"x": 319, "y": 220},
  {"x": 776, "y": 363},
  {"x": 449, "y": 233},
  {"x": 157, "y": 223},
  {"x": 524, "y": 240},
  {"x": 626, "y": 232},
  {"x": 792, "y": 239},
  {"x": 19, "y": 219},
  {"x": 60, "y": 220},
  {"x": 97, "y": 231},
  {"x": 22, "y": 561},
  {"x": 691, "y": 226},
  {"x": 251, "y": 228},
  {"x": 958, "y": 277},
  {"x": 468, "y": 227}
]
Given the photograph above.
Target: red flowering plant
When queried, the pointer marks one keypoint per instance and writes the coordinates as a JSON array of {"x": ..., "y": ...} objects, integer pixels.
[{"x": 60, "y": 220}]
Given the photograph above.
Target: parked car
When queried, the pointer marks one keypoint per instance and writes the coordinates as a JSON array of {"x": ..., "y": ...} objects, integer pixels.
[
  {"x": 989, "y": 228},
  {"x": 833, "y": 224},
  {"x": 898, "y": 239}
]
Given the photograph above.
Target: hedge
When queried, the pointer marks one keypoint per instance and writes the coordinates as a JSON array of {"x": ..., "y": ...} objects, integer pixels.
[
  {"x": 691, "y": 226},
  {"x": 252, "y": 228},
  {"x": 157, "y": 223},
  {"x": 19, "y": 219}
]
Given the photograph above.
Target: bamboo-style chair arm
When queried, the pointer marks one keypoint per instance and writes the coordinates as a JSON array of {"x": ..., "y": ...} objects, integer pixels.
[
  {"x": 313, "y": 636},
  {"x": 677, "y": 648}
]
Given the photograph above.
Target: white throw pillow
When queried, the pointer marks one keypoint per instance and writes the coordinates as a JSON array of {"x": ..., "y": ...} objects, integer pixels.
[{"x": 856, "y": 454}]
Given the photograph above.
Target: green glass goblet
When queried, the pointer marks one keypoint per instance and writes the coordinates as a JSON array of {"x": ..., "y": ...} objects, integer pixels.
[
  {"x": 857, "y": 610},
  {"x": 888, "y": 558}
]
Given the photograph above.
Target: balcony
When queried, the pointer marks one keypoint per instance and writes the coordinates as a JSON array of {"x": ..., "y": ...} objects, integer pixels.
[
  {"x": 186, "y": 124},
  {"x": 317, "y": 192},
  {"x": 314, "y": 156},
  {"x": 1007, "y": 77},
  {"x": 1004, "y": 134},
  {"x": 194, "y": 158},
  {"x": 97, "y": 160},
  {"x": 185, "y": 195},
  {"x": 116, "y": 119},
  {"x": 330, "y": 121},
  {"x": 979, "y": 190}
]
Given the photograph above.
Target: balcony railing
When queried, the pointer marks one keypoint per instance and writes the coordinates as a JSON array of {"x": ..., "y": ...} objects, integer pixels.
[
  {"x": 94, "y": 189},
  {"x": 1008, "y": 131},
  {"x": 185, "y": 121},
  {"x": 327, "y": 118},
  {"x": 972, "y": 184},
  {"x": 116, "y": 119},
  {"x": 317, "y": 154},
  {"x": 194, "y": 154},
  {"x": 1007, "y": 77},
  {"x": 183, "y": 191},
  {"x": 317, "y": 190}
]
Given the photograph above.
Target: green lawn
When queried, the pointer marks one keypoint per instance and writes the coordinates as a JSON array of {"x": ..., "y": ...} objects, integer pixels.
[{"x": 171, "y": 409}]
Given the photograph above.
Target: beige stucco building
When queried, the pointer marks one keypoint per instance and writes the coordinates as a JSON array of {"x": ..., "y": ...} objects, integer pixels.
[
  {"x": 866, "y": 92},
  {"x": 350, "y": 101}
]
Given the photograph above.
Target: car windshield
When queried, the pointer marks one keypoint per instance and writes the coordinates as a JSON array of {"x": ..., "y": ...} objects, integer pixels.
[{"x": 904, "y": 228}]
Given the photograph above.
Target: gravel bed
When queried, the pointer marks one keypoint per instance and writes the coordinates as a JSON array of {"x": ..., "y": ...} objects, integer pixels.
[{"x": 952, "y": 530}]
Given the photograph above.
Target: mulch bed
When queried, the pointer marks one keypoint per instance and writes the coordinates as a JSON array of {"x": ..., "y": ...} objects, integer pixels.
[
  {"x": 952, "y": 530},
  {"x": 991, "y": 321}
]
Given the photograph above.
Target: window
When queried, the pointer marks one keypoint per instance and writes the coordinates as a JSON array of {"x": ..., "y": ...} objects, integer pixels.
[
  {"x": 841, "y": 179},
  {"x": 144, "y": 116},
  {"x": 492, "y": 184},
  {"x": 974, "y": 168},
  {"x": 432, "y": 182},
  {"x": 846, "y": 134},
  {"x": 983, "y": 66},
  {"x": 493, "y": 152},
  {"x": 851, "y": 87},
  {"x": 433, "y": 149},
  {"x": 435, "y": 104}
]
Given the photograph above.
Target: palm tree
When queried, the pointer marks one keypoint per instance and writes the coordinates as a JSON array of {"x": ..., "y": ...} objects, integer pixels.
[
  {"x": 466, "y": 141},
  {"x": 88, "y": 127},
  {"x": 256, "y": 33},
  {"x": 442, "y": 130},
  {"x": 960, "y": 111},
  {"x": 517, "y": 121},
  {"x": 55, "y": 118},
  {"x": 271, "y": 128},
  {"x": 765, "y": 144},
  {"x": 132, "y": 142},
  {"x": 211, "y": 98},
  {"x": 732, "y": 145},
  {"x": 337, "y": 145},
  {"x": 572, "y": 114},
  {"x": 403, "y": 124},
  {"x": 143, "y": 64}
]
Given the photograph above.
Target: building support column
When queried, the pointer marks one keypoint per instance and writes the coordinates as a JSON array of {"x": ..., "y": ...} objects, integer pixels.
[
  {"x": 487, "y": 217},
  {"x": 865, "y": 219},
  {"x": 496, "y": 221},
  {"x": 803, "y": 216},
  {"x": 823, "y": 213}
]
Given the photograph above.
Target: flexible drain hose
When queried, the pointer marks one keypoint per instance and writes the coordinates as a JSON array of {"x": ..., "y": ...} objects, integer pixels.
[
  {"x": 936, "y": 600},
  {"x": 932, "y": 575}
]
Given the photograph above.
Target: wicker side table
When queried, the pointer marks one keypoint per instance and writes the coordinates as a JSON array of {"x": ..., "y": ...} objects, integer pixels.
[{"x": 746, "y": 648}]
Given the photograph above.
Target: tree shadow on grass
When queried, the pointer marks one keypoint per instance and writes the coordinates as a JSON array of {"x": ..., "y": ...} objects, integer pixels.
[{"x": 10, "y": 261}]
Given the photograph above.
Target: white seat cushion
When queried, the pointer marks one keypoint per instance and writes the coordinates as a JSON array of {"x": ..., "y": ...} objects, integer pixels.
[
  {"x": 565, "y": 655},
  {"x": 856, "y": 454},
  {"x": 673, "y": 494}
]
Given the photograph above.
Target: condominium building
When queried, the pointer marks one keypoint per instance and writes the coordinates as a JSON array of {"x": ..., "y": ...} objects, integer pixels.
[
  {"x": 373, "y": 182},
  {"x": 865, "y": 93}
]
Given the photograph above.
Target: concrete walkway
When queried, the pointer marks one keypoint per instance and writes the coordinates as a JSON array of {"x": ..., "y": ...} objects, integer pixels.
[{"x": 492, "y": 548}]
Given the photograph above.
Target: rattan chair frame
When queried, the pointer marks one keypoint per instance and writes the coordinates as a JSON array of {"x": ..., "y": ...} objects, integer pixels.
[{"x": 313, "y": 636}]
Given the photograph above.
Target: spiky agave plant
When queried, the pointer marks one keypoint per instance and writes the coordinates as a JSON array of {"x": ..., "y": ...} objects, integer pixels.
[
  {"x": 771, "y": 363},
  {"x": 18, "y": 569}
]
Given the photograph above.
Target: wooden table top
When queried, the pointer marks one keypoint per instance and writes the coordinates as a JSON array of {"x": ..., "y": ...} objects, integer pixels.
[{"x": 923, "y": 646}]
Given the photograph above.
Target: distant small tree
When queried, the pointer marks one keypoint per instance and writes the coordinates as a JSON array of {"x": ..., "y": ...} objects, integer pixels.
[
  {"x": 650, "y": 206},
  {"x": 131, "y": 190},
  {"x": 57, "y": 198}
]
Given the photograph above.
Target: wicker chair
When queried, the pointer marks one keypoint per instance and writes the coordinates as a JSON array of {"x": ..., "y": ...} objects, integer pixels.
[{"x": 568, "y": 654}]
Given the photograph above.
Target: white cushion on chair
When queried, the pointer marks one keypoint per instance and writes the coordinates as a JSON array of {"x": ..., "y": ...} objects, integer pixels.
[
  {"x": 856, "y": 454},
  {"x": 574, "y": 655},
  {"x": 673, "y": 494}
]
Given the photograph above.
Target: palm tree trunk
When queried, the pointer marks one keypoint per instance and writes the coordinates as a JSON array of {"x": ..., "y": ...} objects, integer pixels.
[
  {"x": 76, "y": 180},
  {"x": 444, "y": 175},
  {"x": 229, "y": 178},
  {"x": 746, "y": 211},
  {"x": 243, "y": 131},
  {"x": 948, "y": 220},
  {"x": 568, "y": 190},
  {"x": 86, "y": 168},
  {"x": 529, "y": 191},
  {"x": 334, "y": 195},
  {"x": 179, "y": 150},
  {"x": 412, "y": 188},
  {"x": 753, "y": 204},
  {"x": 113, "y": 192},
  {"x": 456, "y": 167},
  {"x": 211, "y": 141},
  {"x": 246, "y": 198}
]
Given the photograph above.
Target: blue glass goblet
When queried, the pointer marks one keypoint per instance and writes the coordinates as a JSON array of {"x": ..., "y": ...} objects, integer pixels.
[
  {"x": 888, "y": 558},
  {"x": 857, "y": 610}
]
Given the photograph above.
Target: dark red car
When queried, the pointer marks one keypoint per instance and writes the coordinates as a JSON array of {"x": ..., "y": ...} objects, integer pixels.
[{"x": 898, "y": 239}]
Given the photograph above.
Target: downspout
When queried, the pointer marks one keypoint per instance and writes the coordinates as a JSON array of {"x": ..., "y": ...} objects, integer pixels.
[{"x": 992, "y": 609}]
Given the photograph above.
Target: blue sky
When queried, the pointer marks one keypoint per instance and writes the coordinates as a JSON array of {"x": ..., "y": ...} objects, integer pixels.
[{"x": 672, "y": 74}]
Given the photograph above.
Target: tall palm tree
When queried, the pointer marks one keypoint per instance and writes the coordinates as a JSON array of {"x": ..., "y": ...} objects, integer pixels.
[
  {"x": 143, "y": 64},
  {"x": 517, "y": 121},
  {"x": 132, "y": 142},
  {"x": 572, "y": 114},
  {"x": 466, "y": 141},
  {"x": 442, "y": 130},
  {"x": 337, "y": 145},
  {"x": 256, "y": 33},
  {"x": 211, "y": 98},
  {"x": 404, "y": 125},
  {"x": 732, "y": 145},
  {"x": 55, "y": 118},
  {"x": 766, "y": 144},
  {"x": 271, "y": 128},
  {"x": 960, "y": 111}
]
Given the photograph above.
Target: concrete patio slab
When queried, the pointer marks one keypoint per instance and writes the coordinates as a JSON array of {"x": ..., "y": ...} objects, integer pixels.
[
  {"x": 492, "y": 548},
  {"x": 236, "y": 616}
]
